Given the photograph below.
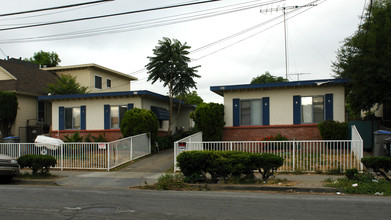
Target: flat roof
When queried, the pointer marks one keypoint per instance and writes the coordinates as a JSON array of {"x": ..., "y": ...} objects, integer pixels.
[
  {"x": 84, "y": 66},
  {"x": 306, "y": 83},
  {"x": 108, "y": 94}
]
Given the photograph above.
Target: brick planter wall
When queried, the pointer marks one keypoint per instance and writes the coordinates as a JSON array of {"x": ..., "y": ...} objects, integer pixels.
[
  {"x": 110, "y": 135},
  {"x": 256, "y": 133}
]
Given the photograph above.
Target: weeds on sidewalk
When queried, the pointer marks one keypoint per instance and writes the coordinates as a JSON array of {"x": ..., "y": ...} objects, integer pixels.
[
  {"x": 171, "y": 181},
  {"x": 361, "y": 183}
]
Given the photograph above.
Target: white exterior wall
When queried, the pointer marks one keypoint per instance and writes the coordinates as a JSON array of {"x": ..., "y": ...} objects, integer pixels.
[
  {"x": 94, "y": 110},
  {"x": 86, "y": 77},
  {"x": 281, "y": 102}
]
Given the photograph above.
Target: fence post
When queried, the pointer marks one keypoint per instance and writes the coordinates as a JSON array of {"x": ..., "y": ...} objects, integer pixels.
[
  {"x": 294, "y": 154},
  {"x": 175, "y": 154},
  {"x": 131, "y": 148},
  {"x": 230, "y": 146},
  {"x": 19, "y": 150},
  {"x": 108, "y": 156},
  {"x": 62, "y": 157}
]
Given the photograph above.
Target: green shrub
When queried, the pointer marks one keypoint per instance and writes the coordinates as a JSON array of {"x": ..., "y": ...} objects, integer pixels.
[
  {"x": 8, "y": 110},
  {"x": 138, "y": 121},
  {"x": 267, "y": 164},
  {"x": 333, "y": 130},
  {"x": 73, "y": 138},
  {"x": 381, "y": 165},
  {"x": 37, "y": 163},
  {"x": 278, "y": 137},
  {"x": 350, "y": 173},
  {"x": 224, "y": 165},
  {"x": 209, "y": 118}
]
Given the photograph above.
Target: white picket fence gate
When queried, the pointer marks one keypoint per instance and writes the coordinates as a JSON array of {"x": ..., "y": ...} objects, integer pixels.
[
  {"x": 97, "y": 156},
  {"x": 303, "y": 155}
]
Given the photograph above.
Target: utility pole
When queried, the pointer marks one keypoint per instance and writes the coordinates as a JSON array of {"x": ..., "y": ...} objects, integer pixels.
[{"x": 285, "y": 40}]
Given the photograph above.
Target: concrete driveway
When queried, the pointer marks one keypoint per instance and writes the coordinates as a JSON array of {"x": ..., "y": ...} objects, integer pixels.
[{"x": 144, "y": 171}]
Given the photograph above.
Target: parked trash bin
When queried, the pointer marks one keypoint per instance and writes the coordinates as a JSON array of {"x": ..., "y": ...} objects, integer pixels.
[
  {"x": 382, "y": 143},
  {"x": 12, "y": 139}
]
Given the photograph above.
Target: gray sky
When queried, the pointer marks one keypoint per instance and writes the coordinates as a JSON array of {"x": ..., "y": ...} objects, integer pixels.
[{"x": 314, "y": 35}]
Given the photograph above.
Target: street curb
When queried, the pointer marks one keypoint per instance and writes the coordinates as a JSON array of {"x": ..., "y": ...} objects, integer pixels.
[
  {"x": 266, "y": 188},
  {"x": 34, "y": 182}
]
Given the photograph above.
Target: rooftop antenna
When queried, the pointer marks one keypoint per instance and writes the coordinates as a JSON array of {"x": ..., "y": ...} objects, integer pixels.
[
  {"x": 298, "y": 75},
  {"x": 284, "y": 8},
  {"x": 3, "y": 53}
]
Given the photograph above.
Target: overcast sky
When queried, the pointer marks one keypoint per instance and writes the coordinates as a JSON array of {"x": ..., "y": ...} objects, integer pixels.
[{"x": 123, "y": 43}]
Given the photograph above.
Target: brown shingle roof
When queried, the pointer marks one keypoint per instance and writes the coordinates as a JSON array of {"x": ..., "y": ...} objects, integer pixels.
[{"x": 30, "y": 78}]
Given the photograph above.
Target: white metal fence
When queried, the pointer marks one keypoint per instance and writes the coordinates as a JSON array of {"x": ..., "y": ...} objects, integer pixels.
[
  {"x": 303, "y": 155},
  {"x": 101, "y": 156}
]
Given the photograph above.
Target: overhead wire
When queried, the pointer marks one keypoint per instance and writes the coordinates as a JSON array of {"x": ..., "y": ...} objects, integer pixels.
[
  {"x": 53, "y": 8},
  {"x": 141, "y": 24},
  {"x": 105, "y": 16}
]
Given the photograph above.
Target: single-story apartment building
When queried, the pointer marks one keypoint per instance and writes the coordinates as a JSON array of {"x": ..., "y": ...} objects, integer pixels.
[
  {"x": 101, "y": 113},
  {"x": 294, "y": 109}
]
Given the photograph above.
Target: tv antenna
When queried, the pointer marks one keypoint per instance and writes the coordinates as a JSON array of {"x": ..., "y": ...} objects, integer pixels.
[
  {"x": 284, "y": 8},
  {"x": 298, "y": 75}
]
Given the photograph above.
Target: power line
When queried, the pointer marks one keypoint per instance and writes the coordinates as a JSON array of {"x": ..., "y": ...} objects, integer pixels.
[
  {"x": 53, "y": 8},
  {"x": 106, "y": 16},
  {"x": 142, "y": 24}
]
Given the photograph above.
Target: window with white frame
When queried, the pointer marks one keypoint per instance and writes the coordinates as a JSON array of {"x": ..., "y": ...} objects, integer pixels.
[
  {"x": 312, "y": 109},
  {"x": 251, "y": 112},
  {"x": 72, "y": 118},
  {"x": 98, "y": 82},
  {"x": 116, "y": 115}
]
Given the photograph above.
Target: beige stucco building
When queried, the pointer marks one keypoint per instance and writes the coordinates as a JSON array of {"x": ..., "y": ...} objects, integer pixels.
[{"x": 291, "y": 107}]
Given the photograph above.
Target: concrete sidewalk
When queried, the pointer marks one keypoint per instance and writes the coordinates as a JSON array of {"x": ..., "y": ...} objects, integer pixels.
[{"x": 147, "y": 170}]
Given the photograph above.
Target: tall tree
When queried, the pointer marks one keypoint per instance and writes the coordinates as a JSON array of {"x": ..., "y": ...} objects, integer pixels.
[
  {"x": 8, "y": 110},
  {"x": 48, "y": 59},
  {"x": 66, "y": 84},
  {"x": 191, "y": 98},
  {"x": 267, "y": 78},
  {"x": 365, "y": 59},
  {"x": 170, "y": 65}
]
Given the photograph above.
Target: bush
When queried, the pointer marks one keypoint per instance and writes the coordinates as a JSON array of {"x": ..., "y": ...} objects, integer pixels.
[
  {"x": 267, "y": 164},
  {"x": 73, "y": 138},
  {"x": 350, "y": 173},
  {"x": 209, "y": 118},
  {"x": 37, "y": 163},
  {"x": 222, "y": 165},
  {"x": 8, "y": 110},
  {"x": 278, "y": 137},
  {"x": 138, "y": 121},
  {"x": 378, "y": 164},
  {"x": 333, "y": 130}
]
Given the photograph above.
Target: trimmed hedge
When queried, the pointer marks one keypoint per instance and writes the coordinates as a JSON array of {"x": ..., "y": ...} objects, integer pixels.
[
  {"x": 333, "y": 130},
  {"x": 222, "y": 165},
  {"x": 377, "y": 163},
  {"x": 37, "y": 163}
]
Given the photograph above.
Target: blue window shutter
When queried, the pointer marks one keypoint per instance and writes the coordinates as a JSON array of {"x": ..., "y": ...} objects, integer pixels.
[
  {"x": 130, "y": 106},
  {"x": 296, "y": 109},
  {"x": 83, "y": 117},
  {"x": 107, "y": 117},
  {"x": 266, "y": 111},
  {"x": 236, "y": 112},
  {"x": 61, "y": 118},
  {"x": 329, "y": 107}
]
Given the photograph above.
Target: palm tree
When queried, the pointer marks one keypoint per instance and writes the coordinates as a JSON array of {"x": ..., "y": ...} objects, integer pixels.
[{"x": 170, "y": 65}]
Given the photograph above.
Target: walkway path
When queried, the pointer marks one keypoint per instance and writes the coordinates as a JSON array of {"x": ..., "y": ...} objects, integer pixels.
[{"x": 146, "y": 170}]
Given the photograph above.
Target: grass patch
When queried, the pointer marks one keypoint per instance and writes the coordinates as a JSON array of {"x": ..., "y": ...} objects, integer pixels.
[
  {"x": 362, "y": 183},
  {"x": 27, "y": 175},
  {"x": 170, "y": 181}
]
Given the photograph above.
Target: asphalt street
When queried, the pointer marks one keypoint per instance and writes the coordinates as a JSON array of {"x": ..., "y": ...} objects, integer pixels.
[{"x": 55, "y": 202}]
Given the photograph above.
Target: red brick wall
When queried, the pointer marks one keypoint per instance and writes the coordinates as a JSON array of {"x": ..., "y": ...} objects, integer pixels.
[
  {"x": 256, "y": 133},
  {"x": 110, "y": 135}
]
